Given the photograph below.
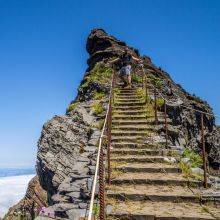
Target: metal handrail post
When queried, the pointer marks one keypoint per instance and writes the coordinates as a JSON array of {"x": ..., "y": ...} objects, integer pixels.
[
  {"x": 155, "y": 106},
  {"x": 204, "y": 151},
  {"x": 109, "y": 141},
  {"x": 146, "y": 94},
  {"x": 101, "y": 186},
  {"x": 165, "y": 119}
]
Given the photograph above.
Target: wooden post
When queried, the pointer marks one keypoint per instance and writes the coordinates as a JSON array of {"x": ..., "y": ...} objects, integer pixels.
[{"x": 203, "y": 151}]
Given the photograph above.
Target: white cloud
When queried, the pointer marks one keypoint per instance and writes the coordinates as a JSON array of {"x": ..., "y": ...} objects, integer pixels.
[{"x": 12, "y": 189}]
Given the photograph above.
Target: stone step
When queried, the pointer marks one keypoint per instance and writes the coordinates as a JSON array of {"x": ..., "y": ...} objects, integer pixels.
[
  {"x": 127, "y": 90},
  {"x": 126, "y": 93},
  {"x": 132, "y": 128},
  {"x": 130, "y": 112},
  {"x": 127, "y": 117},
  {"x": 128, "y": 133},
  {"x": 128, "y": 99},
  {"x": 134, "y": 91},
  {"x": 158, "y": 193},
  {"x": 129, "y": 151},
  {"x": 133, "y": 139},
  {"x": 129, "y": 103},
  {"x": 132, "y": 96},
  {"x": 129, "y": 122},
  {"x": 147, "y": 167},
  {"x": 154, "y": 179},
  {"x": 135, "y": 145},
  {"x": 143, "y": 151},
  {"x": 150, "y": 210},
  {"x": 136, "y": 107},
  {"x": 138, "y": 159}
]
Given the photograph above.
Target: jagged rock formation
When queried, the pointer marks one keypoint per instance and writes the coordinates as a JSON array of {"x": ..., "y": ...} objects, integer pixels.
[
  {"x": 33, "y": 200},
  {"x": 68, "y": 144},
  {"x": 186, "y": 123}
]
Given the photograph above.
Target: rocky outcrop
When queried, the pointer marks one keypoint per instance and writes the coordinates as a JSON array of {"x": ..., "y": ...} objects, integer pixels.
[
  {"x": 68, "y": 144},
  {"x": 184, "y": 109},
  {"x": 186, "y": 123},
  {"x": 34, "y": 199}
]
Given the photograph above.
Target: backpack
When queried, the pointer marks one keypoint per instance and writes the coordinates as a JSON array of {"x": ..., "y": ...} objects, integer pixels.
[{"x": 122, "y": 71}]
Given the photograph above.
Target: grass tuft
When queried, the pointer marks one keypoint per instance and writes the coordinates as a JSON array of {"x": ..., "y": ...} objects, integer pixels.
[
  {"x": 71, "y": 107},
  {"x": 97, "y": 108}
]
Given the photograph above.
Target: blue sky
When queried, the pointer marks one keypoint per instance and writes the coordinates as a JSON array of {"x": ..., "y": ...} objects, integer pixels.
[{"x": 43, "y": 56}]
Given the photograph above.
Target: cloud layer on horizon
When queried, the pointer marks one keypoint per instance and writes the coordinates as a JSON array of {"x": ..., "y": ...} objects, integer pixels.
[{"x": 12, "y": 189}]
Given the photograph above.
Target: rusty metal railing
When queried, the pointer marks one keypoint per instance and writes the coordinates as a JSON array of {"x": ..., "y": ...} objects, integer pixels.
[
  {"x": 157, "y": 93},
  {"x": 100, "y": 165}
]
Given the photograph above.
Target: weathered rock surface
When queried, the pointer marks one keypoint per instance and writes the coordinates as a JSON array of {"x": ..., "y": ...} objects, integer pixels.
[{"x": 66, "y": 159}]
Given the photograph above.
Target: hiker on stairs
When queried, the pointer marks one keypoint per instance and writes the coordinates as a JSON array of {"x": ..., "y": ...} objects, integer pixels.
[{"x": 125, "y": 70}]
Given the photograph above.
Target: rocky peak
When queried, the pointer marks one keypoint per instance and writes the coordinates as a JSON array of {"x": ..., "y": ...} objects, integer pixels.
[
  {"x": 102, "y": 46},
  {"x": 67, "y": 147}
]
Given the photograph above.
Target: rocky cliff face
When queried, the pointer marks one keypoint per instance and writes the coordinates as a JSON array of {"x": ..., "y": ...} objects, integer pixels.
[{"x": 68, "y": 144}]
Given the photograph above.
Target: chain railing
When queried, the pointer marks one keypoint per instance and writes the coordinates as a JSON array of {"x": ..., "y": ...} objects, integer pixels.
[
  {"x": 166, "y": 103},
  {"x": 100, "y": 161}
]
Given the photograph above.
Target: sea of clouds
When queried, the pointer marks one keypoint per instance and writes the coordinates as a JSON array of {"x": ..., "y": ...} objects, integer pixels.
[{"x": 12, "y": 189}]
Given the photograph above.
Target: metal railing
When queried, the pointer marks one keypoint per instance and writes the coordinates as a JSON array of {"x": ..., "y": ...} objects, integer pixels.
[
  {"x": 100, "y": 165},
  {"x": 167, "y": 102}
]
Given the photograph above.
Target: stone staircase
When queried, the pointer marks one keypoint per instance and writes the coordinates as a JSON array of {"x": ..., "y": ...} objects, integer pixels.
[{"x": 144, "y": 185}]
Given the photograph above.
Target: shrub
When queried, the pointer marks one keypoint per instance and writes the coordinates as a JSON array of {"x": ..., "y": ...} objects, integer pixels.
[
  {"x": 96, "y": 209},
  {"x": 136, "y": 79},
  {"x": 156, "y": 81},
  {"x": 97, "y": 108},
  {"x": 140, "y": 92},
  {"x": 186, "y": 169},
  {"x": 100, "y": 73},
  {"x": 117, "y": 91},
  {"x": 99, "y": 95},
  {"x": 195, "y": 158},
  {"x": 71, "y": 107},
  {"x": 160, "y": 102},
  {"x": 101, "y": 124}
]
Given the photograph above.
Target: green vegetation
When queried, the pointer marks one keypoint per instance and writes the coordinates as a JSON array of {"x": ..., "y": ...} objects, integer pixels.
[
  {"x": 187, "y": 172},
  {"x": 156, "y": 81},
  {"x": 195, "y": 161},
  {"x": 96, "y": 209},
  {"x": 98, "y": 95},
  {"x": 101, "y": 124},
  {"x": 117, "y": 91},
  {"x": 140, "y": 92},
  {"x": 136, "y": 79},
  {"x": 98, "y": 108},
  {"x": 186, "y": 169},
  {"x": 71, "y": 107},
  {"x": 160, "y": 102},
  {"x": 100, "y": 73},
  {"x": 195, "y": 158}
]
